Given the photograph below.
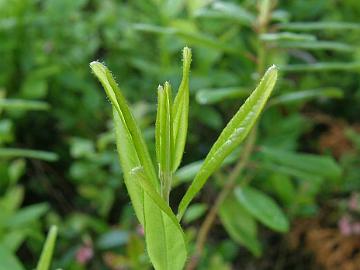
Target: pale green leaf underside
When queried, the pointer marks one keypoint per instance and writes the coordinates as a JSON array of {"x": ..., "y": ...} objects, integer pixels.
[
  {"x": 164, "y": 237},
  {"x": 233, "y": 134},
  {"x": 48, "y": 250},
  {"x": 119, "y": 103}
]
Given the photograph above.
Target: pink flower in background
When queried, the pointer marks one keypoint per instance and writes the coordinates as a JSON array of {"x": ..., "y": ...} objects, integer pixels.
[
  {"x": 140, "y": 230},
  {"x": 345, "y": 225},
  {"x": 354, "y": 202},
  {"x": 84, "y": 254}
]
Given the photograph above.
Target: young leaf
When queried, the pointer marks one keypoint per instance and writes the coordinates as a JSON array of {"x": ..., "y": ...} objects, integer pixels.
[
  {"x": 119, "y": 103},
  {"x": 166, "y": 249},
  {"x": 164, "y": 139},
  {"x": 262, "y": 207},
  {"x": 164, "y": 237},
  {"x": 233, "y": 134},
  {"x": 240, "y": 225},
  {"x": 48, "y": 250},
  {"x": 180, "y": 111}
]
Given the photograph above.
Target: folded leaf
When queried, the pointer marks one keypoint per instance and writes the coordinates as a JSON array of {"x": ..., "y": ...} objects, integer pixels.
[
  {"x": 164, "y": 237},
  {"x": 180, "y": 111},
  {"x": 48, "y": 250},
  {"x": 233, "y": 134},
  {"x": 262, "y": 207},
  {"x": 119, "y": 103},
  {"x": 164, "y": 139}
]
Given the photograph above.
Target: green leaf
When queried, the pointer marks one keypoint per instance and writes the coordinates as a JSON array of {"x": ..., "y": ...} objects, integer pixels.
[
  {"x": 189, "y": 171},
  {"x": 192, "y": 38},
  {"x": 304, "y": 95},
  {"x": 224, "y": 10},
  {"x": 211, "y": 96},
  {"x": 233, "y": 134},
  {"x": 262, "y": 207},
  {"x": 316, "y": 45},
  {"x": 194, "y": 212},
  {"x": 286, "y": 36},
  {"x": 48, "y": 250},
  {"x": 315, "y": 26},
  {"x": 26, "y": 215},
  {"x": 119, "y": 103},
  {"x": 316, "y": 165},
  {"x": 27, "y": 153},
  {"x": 8, "y": 260},
  {"x": 240, "y": 225},
  {"x": 180, "y": 111},
  {"x": 165, "y": 239},
  {"x": 320, "y": 67},
  {"x": 21, "y": 104},
  {"x": 164, "y": 139}
]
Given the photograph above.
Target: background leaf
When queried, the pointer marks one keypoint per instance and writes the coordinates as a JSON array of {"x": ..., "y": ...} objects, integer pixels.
[{"x": 262, "y": 207}]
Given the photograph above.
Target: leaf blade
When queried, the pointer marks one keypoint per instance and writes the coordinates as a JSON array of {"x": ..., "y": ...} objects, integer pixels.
[
  {"x": 233, "y": 134},
  {"x": 180, "y": 111},
  {"x": 48, "y": 250},
  {"x": 262, "y": 207}
]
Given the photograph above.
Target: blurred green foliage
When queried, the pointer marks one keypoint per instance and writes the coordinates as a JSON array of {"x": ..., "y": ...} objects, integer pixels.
[{"x": 49, "y": 102}]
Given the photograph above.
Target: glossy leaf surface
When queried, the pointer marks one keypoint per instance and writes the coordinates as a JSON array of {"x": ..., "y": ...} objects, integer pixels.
[{"x": 233, "y": 134}]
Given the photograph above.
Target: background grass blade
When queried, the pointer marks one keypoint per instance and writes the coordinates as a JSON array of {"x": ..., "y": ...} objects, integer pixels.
[
  {"x": 48, "y": 250},
  {"x": 233, "y": 134},
  {"x": 27, "y": 153}
]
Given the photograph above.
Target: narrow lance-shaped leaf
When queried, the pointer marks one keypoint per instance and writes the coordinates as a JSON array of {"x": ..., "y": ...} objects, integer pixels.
[
  {"x": 164, "y": 237},
  {"x": 180, "y": 111},
  {"x": 233, "y": 134},
  {"x": 118, "y": 101},
  {"x": 164, "y": 139},
  {"x": 48, "y": 250}
]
